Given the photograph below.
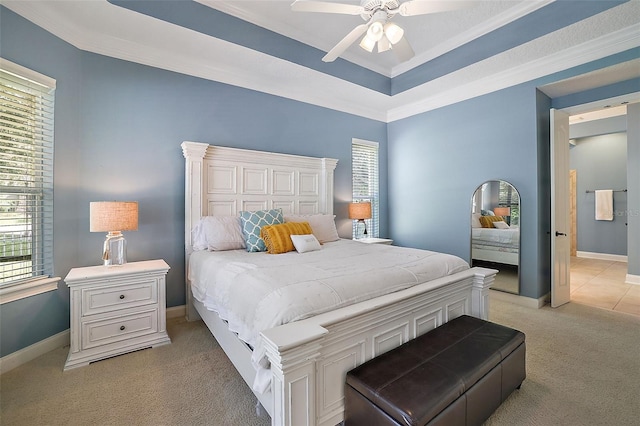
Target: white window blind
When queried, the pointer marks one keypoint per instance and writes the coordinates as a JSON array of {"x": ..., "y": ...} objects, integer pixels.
[
  {"x": 508, "y": 197},
  {"x": 26, "y": 174},
  {"x": 364, "y": 164}
]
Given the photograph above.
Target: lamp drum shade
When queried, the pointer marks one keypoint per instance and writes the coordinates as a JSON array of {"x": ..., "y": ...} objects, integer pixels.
[
  {"x": 107, "y": 216},
  {"x": 360, "y": 210},
  {"x": 502, "y": 211}
]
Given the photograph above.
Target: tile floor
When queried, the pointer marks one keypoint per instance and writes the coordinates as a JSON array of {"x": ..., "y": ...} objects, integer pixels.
[{"x": 601, "y": 283}]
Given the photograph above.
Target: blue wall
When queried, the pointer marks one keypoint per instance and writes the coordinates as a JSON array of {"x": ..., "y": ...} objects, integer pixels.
[
  {"x": 439, "y": 158},
  {"x": 118, "y": 129},
  {"x": 601, "y": 163}
]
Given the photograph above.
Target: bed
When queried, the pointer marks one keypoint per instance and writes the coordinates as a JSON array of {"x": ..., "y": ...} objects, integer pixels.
[
  {"x": 305, "y": 361},
  {"x": 496, "y": 245}
]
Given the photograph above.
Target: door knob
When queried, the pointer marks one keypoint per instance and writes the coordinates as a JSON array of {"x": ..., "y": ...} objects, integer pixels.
[{"x": 560, "y": 233}]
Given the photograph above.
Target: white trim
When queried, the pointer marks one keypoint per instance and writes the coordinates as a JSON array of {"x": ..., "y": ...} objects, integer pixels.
[
  {"x": 520, "y": 300},
  {"x": 602, "y": 256},
  {"x": 13, "y": 292},
  {"x": 28, "y": 74},
  {"x": 591, "y": 50},
  {"x": 511, "y": 14},
  {"x": 116, "y": 32},
  {"x": 22, "y": 356},
  {"x": 632, "y": 279},
  {"x": 499, "y": 21},
  {"x": 176, "y": 312},
  {"x": 17, "y": 358},
  {"x": 365, "y": 142}
]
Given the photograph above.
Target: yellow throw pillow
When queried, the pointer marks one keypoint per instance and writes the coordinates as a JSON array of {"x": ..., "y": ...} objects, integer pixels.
[
  {"x": 487, "y": 221},
  {"x": 278, "y": 237}
]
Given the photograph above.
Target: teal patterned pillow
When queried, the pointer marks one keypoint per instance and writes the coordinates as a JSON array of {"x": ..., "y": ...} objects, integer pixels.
[{"x": 252, "y": 223}]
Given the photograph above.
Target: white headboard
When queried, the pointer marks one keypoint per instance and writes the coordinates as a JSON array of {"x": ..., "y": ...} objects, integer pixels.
[{"x": 221, "y": 181}]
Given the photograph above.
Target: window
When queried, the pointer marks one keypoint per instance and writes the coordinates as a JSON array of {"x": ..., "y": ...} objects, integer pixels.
[
  {"x": 26, "y": 179},
  {"x": 364, "y": 165},
  {"x": 509, "y": 197}
]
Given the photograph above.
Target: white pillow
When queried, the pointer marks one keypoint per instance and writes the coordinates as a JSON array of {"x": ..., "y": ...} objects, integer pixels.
[
  {"x": 218, "y": 233},
  {"x": 305, "y": 243},
  {"x": 500, "y": 225},
  {"x": 322, "y": 225},
  {"x": 475, "y": 220}
]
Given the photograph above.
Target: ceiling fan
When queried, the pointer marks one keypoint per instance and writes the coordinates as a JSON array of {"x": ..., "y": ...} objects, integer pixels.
[{"x": 378, "y": 27}]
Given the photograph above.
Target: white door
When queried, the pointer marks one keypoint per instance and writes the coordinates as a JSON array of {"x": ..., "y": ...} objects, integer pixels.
[{"x": 560, "y": 223}]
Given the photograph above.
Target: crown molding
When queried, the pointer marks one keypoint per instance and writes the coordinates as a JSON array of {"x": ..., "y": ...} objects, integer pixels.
[
  {"x": 291, "y": 32},
  {"x": 510, "y": 15},
  {"x": 109, "y": 30},
  {"x": 609, "y": 44}
]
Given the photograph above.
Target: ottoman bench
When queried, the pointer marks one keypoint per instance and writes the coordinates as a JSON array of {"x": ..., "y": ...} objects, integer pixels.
[{"x": 456, "y": 374}]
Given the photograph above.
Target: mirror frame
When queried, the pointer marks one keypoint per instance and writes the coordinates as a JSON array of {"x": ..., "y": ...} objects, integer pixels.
[{"x": 497, "y": 264}]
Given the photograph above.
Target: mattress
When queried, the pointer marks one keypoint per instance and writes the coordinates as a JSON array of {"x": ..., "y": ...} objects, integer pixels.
[
  {"x": 494, "y": 237},
  {"x": 257, "y": 291}
]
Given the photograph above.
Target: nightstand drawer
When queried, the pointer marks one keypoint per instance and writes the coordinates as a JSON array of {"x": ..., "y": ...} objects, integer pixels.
[
  {"x": 103, "y": 332},
  {"x": 112, "y": 298}
]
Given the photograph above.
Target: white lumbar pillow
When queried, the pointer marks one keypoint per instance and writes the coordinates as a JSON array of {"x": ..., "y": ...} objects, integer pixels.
[{"x": 305, "y": 243}]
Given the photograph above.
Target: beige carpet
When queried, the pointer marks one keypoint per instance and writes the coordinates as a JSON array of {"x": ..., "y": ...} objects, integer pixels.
[{"x": 583, "y": 368}]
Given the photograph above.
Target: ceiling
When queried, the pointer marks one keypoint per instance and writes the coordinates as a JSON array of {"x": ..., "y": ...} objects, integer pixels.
[
  {"x": 429, "y": 35},
  {"x": 264, "y": 46}
]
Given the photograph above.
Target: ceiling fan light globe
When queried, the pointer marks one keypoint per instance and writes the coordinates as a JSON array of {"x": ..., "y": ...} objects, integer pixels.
[
  {"x": 383, "y": 45},
  {"x": 367, "y": 43},
  {"x": 393, "y": 32},
  {"x": 375, "y": 31}
]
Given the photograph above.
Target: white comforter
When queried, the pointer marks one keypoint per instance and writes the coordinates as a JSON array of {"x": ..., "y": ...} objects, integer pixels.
[
  {"x": 258, "y": 291},
  {"x": 496, "y": 237}
]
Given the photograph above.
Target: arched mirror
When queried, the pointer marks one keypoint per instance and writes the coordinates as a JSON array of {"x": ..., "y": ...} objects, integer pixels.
[{"x": 495, "y": 232}]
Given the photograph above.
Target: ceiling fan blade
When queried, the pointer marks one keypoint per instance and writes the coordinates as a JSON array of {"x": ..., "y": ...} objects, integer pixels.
[
  {"x": 422, "y": 7},
  {"x": 403, "y": 50},
  {"x": 326, "y": 7},
  {"x": 343, "y": 44}
]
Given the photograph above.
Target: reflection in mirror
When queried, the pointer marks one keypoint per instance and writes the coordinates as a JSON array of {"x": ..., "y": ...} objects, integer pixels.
[{"x": 495, "y": 232}]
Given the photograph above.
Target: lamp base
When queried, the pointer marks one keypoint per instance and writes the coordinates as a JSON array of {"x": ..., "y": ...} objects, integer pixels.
[
  {"x": 115, "y": 249},
  {"x": 361, "y": 229}
]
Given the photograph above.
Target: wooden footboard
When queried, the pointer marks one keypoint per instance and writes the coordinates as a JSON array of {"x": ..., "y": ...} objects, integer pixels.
[{"x": 310, "y": 358}]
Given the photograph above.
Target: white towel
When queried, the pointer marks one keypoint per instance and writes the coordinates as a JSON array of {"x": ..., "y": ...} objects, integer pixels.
[{"x": 604, "y": 204}]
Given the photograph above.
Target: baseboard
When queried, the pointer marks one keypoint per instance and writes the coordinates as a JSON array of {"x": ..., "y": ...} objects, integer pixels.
[
  {"x": 602, "y": 256},
  {"x": 632, "y": 279},
  {"x": 176, "y": 312},
  {"x": 29, "y": 353},
  {"x": 56, "y": 341},
  {"x": 520, "y": 300}
]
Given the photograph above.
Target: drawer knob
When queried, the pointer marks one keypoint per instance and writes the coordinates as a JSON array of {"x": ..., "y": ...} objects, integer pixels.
[
  {"x": 121, "y": 327},
  {"x": 122, "y": 296}
]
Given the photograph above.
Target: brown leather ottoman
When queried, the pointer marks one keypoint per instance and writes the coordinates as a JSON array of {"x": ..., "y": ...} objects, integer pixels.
[{"x": 456, "y": 374}]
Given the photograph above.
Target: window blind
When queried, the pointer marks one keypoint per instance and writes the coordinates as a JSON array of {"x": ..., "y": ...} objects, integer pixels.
[
  {"x": 364, "y": 163},
  {"x": 26, "y": 176},
  {"x": 508, "y": 196}
]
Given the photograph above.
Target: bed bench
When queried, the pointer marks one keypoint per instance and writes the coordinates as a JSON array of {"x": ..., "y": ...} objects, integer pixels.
[{"x": 456, "y": 374}]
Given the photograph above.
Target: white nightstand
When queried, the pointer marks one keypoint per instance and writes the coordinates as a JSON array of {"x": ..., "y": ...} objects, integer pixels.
[
  {"x": 374, "y": 241},
  {"x": 116, "y": 309}
]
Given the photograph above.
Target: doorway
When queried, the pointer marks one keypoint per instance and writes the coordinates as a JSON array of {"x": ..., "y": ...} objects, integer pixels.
[{"x": 584, "y": 270}]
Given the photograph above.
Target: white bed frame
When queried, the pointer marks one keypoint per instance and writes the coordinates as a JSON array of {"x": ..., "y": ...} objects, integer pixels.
[
  {"x": 496, "y": 256},
  {"x": 309, "y": 358}
]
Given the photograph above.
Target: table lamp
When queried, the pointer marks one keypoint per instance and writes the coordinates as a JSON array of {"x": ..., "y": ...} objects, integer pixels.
[
  {"x": 505, "y": 212},
  {"x": 360, "y": 212},
  {"x": 113, "y": 217}
]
